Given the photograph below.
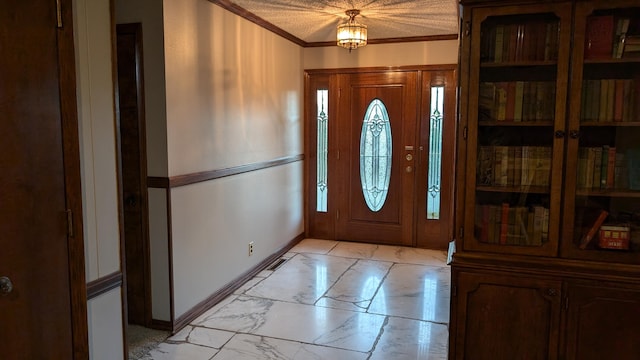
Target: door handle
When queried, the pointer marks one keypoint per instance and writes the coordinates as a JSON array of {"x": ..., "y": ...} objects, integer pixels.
[{"x": 6, "y": 286}]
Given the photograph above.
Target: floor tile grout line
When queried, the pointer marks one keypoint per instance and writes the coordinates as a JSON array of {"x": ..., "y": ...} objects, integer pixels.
[
  {"x": 335, "y": 282},
  {"x": 380, "y": 333}
]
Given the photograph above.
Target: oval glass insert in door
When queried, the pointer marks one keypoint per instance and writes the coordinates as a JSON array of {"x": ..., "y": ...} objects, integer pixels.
[{"x": 375, "y": 155}]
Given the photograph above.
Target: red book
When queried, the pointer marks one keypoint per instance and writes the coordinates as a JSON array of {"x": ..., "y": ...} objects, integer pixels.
[
  {"x": 588, "y": 237},
  {"x": 599, "y": 37},
  {"x": 504, "y": 224}
]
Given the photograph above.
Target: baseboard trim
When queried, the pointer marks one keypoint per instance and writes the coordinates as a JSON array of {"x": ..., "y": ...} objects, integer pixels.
[
  {"x": 234, "y": 285},
  {"x": 160, "y": 325},
  {"x": 104, "y": 284}
]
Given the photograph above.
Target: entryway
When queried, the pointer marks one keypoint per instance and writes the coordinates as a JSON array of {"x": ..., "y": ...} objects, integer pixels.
[{"x": 380, "y": 156}]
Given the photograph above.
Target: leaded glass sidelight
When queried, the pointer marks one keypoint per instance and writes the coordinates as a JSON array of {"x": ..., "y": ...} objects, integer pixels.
[
  {"x": 322, "y": 143},
  {"x": 435, "y": 153},
  {"x": 375, "y": 155}
]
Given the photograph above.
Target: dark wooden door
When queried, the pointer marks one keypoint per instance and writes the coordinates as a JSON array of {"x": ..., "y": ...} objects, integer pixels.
[
  {"x": 357, "y": 220},
  {"x": 603, "y": 323},
  {"x": 505, "y": 317},
  {"x": 38, "y": 314},
  {"x": 134, "y": 172}
]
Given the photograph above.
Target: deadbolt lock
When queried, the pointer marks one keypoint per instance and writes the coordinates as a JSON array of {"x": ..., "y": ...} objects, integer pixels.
[{"x": 5, "y": 286}]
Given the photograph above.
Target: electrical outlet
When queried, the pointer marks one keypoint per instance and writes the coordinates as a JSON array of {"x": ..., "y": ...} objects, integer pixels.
[{"x": 251, "y": 248}]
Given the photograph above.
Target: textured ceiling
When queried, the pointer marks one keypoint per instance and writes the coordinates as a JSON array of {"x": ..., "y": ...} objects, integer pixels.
[{"x": 316, "y": 20}]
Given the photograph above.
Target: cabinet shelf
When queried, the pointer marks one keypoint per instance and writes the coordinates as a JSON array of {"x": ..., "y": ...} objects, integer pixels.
[
  {"x": 514, "y": 189},
  {"x": 518, "y": 123},
  {"x": 518, "y": 64},
  {"x": 612, "y": 61},
  {"x": 614, "y": 193},
  {"x": 610, "y": 123}
]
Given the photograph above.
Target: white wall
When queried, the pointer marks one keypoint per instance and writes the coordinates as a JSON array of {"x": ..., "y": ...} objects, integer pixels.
[
  {"x": 214, "y": 221},
  {"x": 149, "y": 14},
  {"x": 159, "y": 255},
  {"x": 234, "y": 95},
  {"x": 105, "y": 324},
  {"x": 96, "y": 116},
  {"x": 398, "y": 54},
  {"x": 234, "y": 89}
]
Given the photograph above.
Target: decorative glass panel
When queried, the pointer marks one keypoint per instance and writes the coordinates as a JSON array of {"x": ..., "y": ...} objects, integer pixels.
[
  {"x": 375, "y": 155},
  {"x": 435, "y": 153},
  {"x": 322, "y": 143}
]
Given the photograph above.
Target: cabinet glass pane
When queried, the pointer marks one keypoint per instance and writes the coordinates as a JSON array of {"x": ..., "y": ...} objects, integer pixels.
[
  {"x": 607, "y": 202},
  {"x": 516, "y": 117}
]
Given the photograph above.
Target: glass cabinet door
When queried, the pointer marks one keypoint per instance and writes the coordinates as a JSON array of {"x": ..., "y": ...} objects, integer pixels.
[
  {"x": 516, "y": 128},
  {"x": 602, "y": 204}
]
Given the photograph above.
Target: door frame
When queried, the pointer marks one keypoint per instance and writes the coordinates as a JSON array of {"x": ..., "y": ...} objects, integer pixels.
[
  {"x": 73, "y": 179},
  {"x": 323, "y": 224},
  {"x": 134, "y": 29}
]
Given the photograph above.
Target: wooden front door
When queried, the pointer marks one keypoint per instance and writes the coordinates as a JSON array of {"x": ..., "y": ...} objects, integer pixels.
[
  {"x": 376, "y": 137},
  {"x": 42, "y": 293}
]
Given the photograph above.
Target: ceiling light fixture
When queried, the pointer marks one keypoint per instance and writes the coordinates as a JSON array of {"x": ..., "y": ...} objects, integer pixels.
[{"x": 351, "y": 34}]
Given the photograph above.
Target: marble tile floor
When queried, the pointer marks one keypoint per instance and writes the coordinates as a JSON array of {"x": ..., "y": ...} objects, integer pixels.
[{"x": 329, "y": 300}]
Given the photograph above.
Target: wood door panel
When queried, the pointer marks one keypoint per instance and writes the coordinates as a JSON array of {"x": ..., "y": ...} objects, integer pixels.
[
  {"x": 36, "y": 319},
  {"x": 393, "y": 223},
  {"x": 507, "y": 317},
  {"x": 361, "y": 96},
  {"x": 603, "y": 323}
]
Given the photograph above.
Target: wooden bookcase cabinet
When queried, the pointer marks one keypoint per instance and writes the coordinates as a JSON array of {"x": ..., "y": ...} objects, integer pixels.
[{"x": 548, "y": 148}]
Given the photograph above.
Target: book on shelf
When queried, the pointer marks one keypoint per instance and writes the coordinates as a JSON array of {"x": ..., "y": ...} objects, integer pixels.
[
  {"x": 505, "y": 224},
  {"x": 516, "y": 101},
  {"x": 599, "y": 37},
  {"x": 597, "y": 167},
  {"x": 589, "y": 236},
  {"x": 622, "y": 26},
  {"x": 608, "y": 100},
  {"x": 631, "y": 47},
  {"x": 501, "y": 166},
  {"x": 517, "y": 166},
  {"x": 528, "y": 41},
  {"x": 620, "y": 177},
  {"x": 600, "y": 168},
  {"x": 611, "y": 166},
  {"x": 484, "y": 170},
  {"x": 633, "y": 168}
]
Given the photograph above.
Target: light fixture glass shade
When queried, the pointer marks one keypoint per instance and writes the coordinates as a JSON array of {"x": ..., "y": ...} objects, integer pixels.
[{"x": 351, "y": 34}]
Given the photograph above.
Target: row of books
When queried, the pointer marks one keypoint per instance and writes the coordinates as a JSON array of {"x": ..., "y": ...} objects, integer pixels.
[
  {"x": 531, "y": 41},
  {"x": 607, "y": 100},
  {"x": 517, "y": 101},
  {"x": 606, "y": 168},
  {"x": 611, "y": 37},
  {"x": 512, "y": 225},
  {"x": 514, "y": 166}
]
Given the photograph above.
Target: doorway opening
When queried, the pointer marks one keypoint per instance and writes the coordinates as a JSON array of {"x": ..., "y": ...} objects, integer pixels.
[{"x": 133, "y": 171}]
